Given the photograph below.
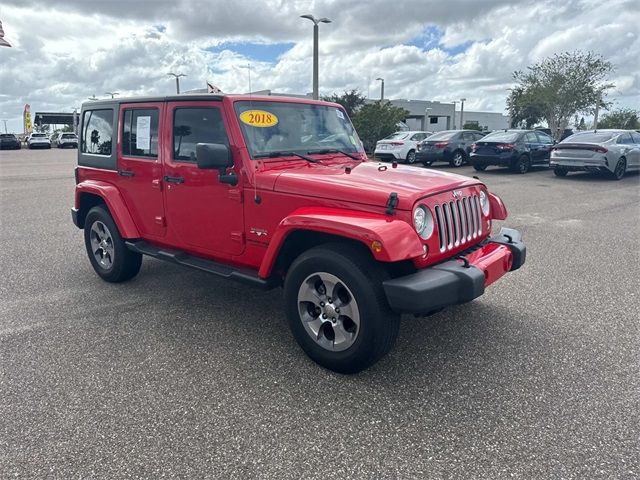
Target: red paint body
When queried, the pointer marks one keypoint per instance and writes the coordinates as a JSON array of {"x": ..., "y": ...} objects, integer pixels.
[{"x": 225, "y": 223}]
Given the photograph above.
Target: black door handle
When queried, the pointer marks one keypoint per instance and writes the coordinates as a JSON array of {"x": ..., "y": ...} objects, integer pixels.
[
  {"x": 126, "y": 173},
  {"x": 169, "y": 179}
]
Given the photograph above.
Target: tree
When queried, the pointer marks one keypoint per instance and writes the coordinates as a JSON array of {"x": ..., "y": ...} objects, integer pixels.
[
  {"x": 351, "y": 101},
  {"x": 376, "y": 121},
  {"x": 558, "y": 87},
  {"x": 625, "y": 118}
]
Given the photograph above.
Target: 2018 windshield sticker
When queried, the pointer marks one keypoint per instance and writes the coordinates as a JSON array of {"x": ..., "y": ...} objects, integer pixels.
[{"x": 258, "y": 118}]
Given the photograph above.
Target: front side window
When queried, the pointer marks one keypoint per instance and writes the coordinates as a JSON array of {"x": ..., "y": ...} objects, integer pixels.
[
  {"x": 270, "y": 127},
  {"x": 140, "y": 133},
  {"x": 97, "y": 131},
  {"x": 196, "y": 125}
]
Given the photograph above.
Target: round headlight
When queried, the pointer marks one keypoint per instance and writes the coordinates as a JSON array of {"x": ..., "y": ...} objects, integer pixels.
[
  {"x": 423, "y": 221},
  {"x": 484, "y": 203}
]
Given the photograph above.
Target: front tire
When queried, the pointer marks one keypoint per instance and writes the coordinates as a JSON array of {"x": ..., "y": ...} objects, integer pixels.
[
  {"x": 337, "y": 309},
  {"x": 411, "y": 157},
  {"x": 109, "y": 256},
  {"x": 458, "y": 159}
]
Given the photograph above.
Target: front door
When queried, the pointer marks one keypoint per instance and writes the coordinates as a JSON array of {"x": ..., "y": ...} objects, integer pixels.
[
  {"x": 140, "y": 166},
  {"x": 205, "y": 215}
]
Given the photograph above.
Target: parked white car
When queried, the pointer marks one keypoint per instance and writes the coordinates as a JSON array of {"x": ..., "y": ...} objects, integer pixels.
[
  {"x": 400, "y": 146},
  {"x": 39, "y": 140},
  {"x": 613, "y": 152},
  {"x": 67, "y": 140}
]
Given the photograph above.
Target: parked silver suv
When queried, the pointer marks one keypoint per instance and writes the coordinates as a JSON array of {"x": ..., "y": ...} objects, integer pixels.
[
  {"x": 613, "y": 152},
  {"x": 67, "y": 140}
]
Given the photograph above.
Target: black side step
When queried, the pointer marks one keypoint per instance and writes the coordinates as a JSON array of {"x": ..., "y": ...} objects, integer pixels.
[{"x": 179, "y": 257}]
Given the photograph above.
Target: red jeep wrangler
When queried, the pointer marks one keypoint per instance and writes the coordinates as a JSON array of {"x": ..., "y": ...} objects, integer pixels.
[{"x": 278, "y": 192}]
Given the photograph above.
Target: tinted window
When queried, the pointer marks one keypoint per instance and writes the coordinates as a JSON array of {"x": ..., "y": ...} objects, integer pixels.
[
  {"x": 478, "y": 136},
  {"x": 530, "y": 137},
  {"x": 419, "y": 136},
  {"x": 397, "y": 136},
  {"x": 140, "y": 132},
  {"x": 68, "y": 135},
  {"x": 625, "y": 138},
  {"x": 636, "y": 137},
  {"x": 590, "y": 137},
  {"x": 442, "y": 136},
  {"x": 196, "y": 125},
  {"x": 544, "y": 138},
  {"x": 38, "y": 135},
  {"x": 468, "y": 137},
  {"x": 502, "y": 137},
  {"x": 97, "y": 132}
]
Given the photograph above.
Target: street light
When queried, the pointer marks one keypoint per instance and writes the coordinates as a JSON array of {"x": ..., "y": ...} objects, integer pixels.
[
  {"x": 177, "y": 75},
  {"x": 381, "y": 88},
  {"x": 426, "y": 117},
  {"x": 462, "y": 100},
  {"x": 113, "y": 94},
  {"x": 5, "y": 126},
  {"x": 93, "y": 97},
  {"x": 315, "y": 50},
  {"x": 454, "y": 114}
]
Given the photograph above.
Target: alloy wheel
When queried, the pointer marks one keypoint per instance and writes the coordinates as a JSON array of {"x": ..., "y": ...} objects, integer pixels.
[
  {"x": 329, "y": 311},
  {"x": 102, "y": 245}
]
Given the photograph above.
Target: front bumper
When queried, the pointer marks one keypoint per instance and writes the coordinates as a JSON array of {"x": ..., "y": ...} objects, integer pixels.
[{"x": 457, "y": 281}]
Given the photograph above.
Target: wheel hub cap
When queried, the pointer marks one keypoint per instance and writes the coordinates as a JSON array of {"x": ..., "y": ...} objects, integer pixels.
[{"x": 328, "y": 311}]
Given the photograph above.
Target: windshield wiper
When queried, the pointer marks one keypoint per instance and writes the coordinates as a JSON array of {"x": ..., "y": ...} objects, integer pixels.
[
  {"x": 285, "y": 154},
  {"x": 332, "y": 150}
]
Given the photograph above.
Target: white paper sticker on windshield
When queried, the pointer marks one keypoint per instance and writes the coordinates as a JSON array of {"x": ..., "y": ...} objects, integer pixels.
[
  {"x": 143, "y": 133},
  {"x": 340, "y": 114}
]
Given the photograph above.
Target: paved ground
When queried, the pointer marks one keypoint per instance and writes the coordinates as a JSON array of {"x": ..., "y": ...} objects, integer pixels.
[{"x": 179, "y": 374}]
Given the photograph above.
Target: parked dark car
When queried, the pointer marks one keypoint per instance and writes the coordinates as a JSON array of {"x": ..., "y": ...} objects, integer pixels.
[
  {"x": 516, "y": 149},
  {"x": 9, "y": 141},
  {"x": 567, "y": 132},
  {"x": 451, "y": 146}
]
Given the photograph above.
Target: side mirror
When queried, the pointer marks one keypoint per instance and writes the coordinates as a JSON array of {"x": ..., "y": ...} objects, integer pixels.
[
  {"x": 210, "y": 156},
  {"x": 216, "y": 156}
]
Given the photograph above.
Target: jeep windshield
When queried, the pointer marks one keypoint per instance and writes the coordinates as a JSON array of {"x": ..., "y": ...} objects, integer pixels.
[{"x": 270, "y": 128}]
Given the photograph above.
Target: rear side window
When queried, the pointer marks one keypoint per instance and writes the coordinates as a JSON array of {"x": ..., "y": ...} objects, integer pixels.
[
  {"x": 544, "y": 138},
  {"x": 530, "y": 137},
  {"x": 636, "y": 137},
  {"x": 140, "y": 133},
  {"x": 625, "y": 138},
  {"x": 196, "y": 125},
  {"x": 97, "y": 132}
]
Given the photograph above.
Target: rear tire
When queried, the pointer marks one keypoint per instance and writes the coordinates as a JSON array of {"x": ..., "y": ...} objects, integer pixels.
[
  {"x": 620, "y": 170},
  {"x": 522, "y": 165},
  {"x": 411, "y": 157},
  {"x": 344, "y": 279},
  {"x": 479, "y": 167},
  {"x": 458, "y": 159},
  {"x": 109, "y": 256},
  {"x": 427, "y": 164},
  {"x": 560, "y": 172}
]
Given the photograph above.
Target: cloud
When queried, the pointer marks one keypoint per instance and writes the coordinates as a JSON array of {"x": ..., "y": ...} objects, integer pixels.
[{"x": 423, "y": 49}]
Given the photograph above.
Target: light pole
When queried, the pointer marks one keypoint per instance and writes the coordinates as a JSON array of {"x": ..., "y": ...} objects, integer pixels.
[
  {"x": 113, "y": 94},
  {"x": 315, "y": 49},
  {"x": 426, "y": 118},
  {"x": 381, "y": 80},
  {"x": 93, "y": 97},
  {"x": 177, "y": 75},
  {"x": 454, "y": 114},
  {"x": 5, "y": 126},
  {"x": 462, "y": 100}
]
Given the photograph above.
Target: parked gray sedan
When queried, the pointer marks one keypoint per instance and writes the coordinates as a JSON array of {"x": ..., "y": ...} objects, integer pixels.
[{"x": 613, "y": 152}]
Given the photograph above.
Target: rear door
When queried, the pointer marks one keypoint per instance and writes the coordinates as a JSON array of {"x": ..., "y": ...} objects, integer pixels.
[
  {"x": 140, "y": 166},
  {"x": 630, "y": 149},
  {"x": 545, "y": 142},
  {"x": 635, "y": 154},
  {"x": 205, "y": 215},
  {"x": 532, "y": 143}
]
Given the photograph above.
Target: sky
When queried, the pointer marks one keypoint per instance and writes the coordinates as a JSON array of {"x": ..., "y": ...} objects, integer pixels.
[{"x": 68, "y": 50}]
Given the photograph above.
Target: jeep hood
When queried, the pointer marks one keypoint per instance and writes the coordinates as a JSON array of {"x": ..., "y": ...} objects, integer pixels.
[{"x": 368, "y": 183}]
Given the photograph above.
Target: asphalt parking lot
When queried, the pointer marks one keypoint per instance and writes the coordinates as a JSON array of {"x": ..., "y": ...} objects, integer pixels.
[{"x": 177, "y": 374}]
